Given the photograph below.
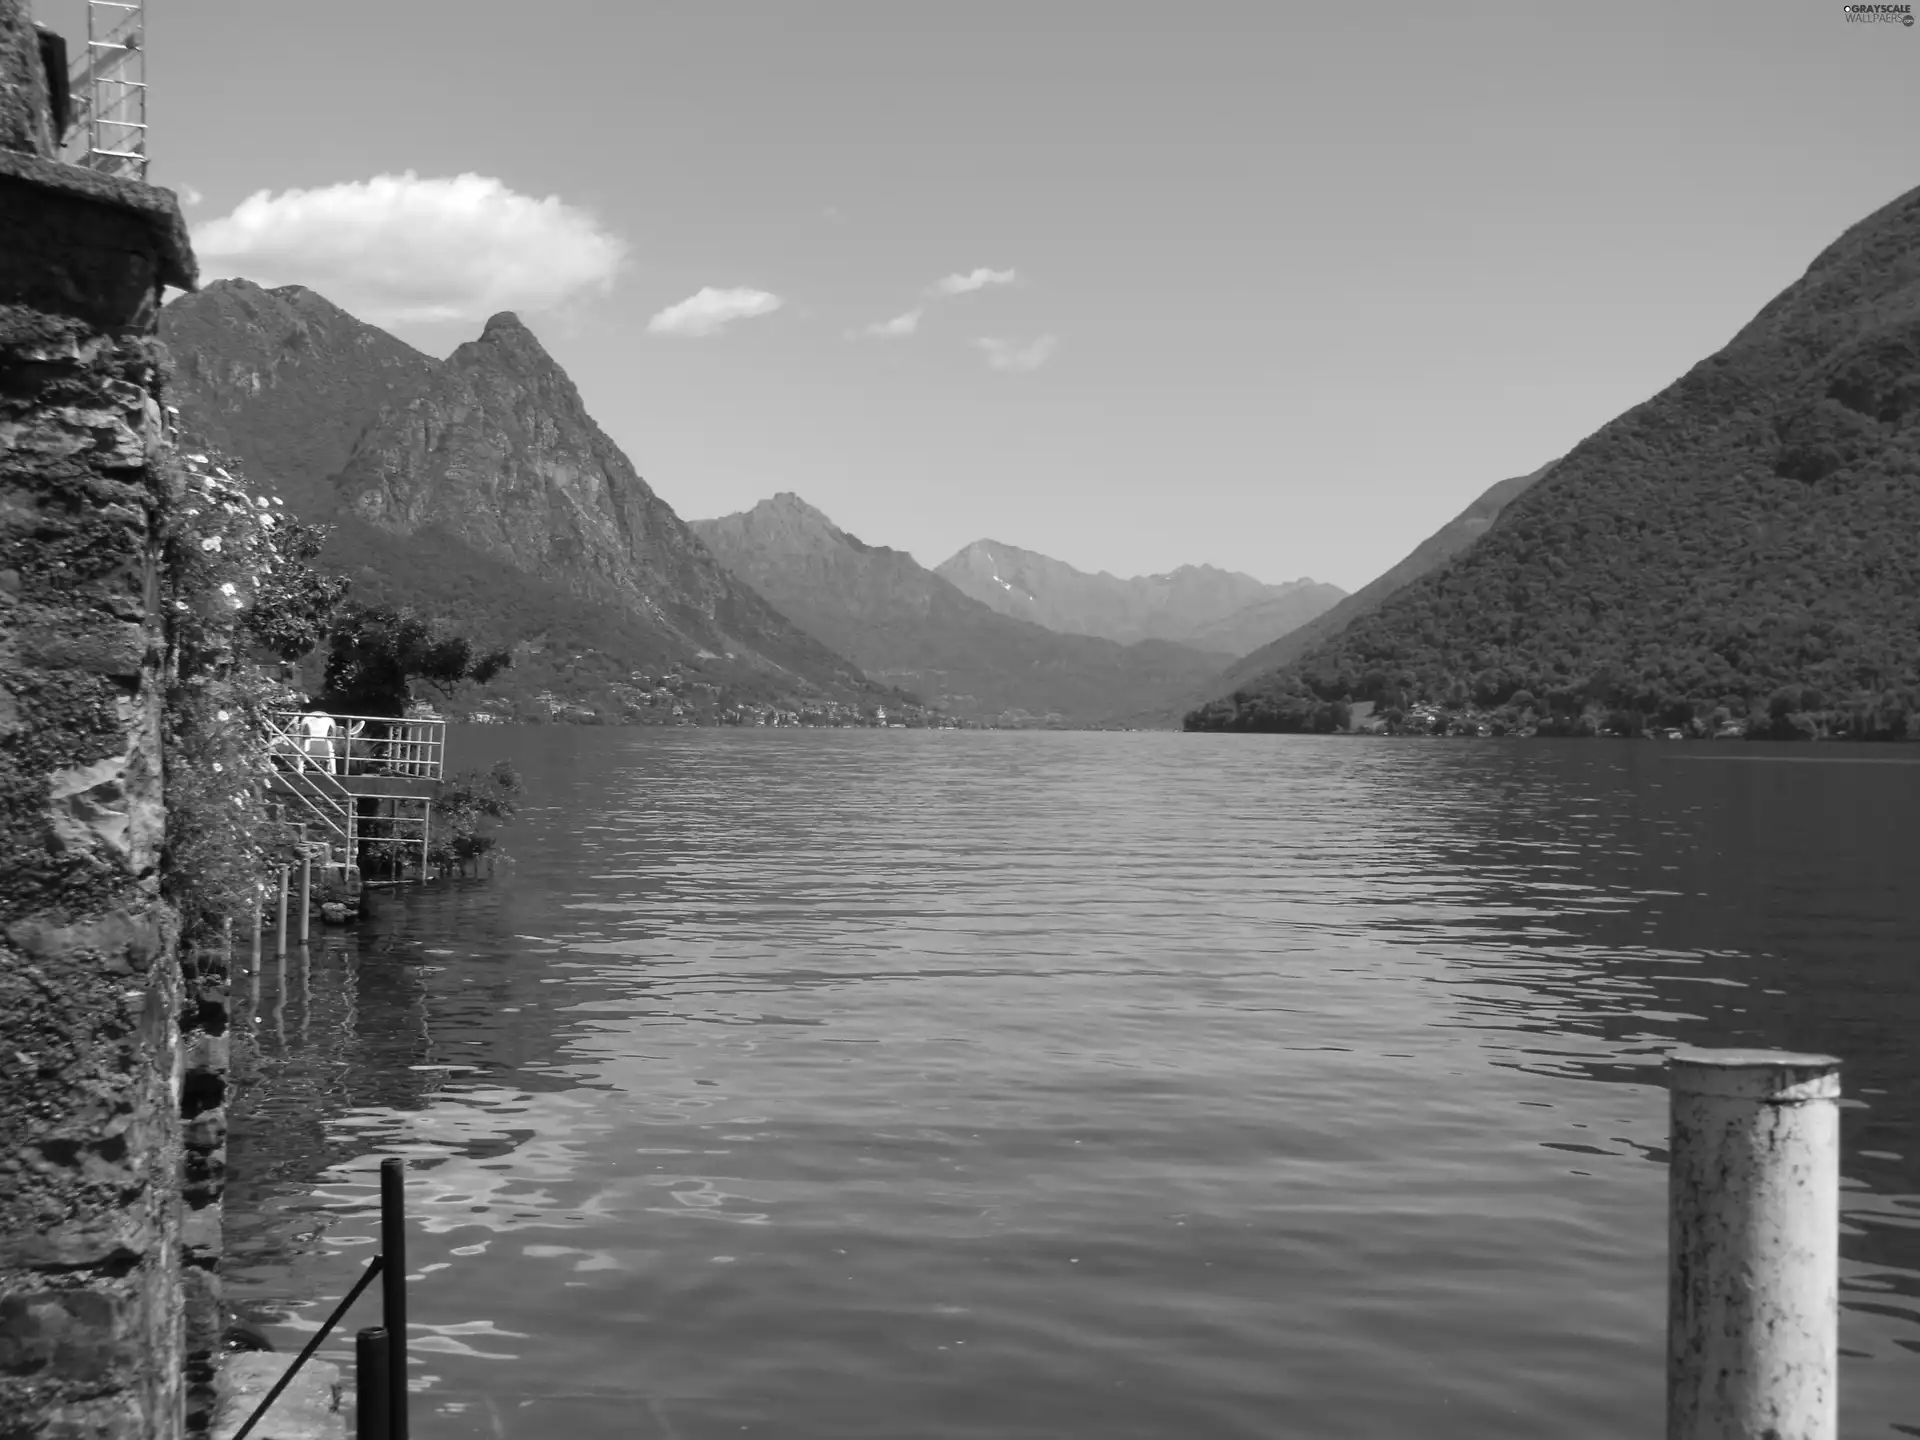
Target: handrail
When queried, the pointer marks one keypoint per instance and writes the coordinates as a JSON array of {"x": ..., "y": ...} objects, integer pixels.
[
  {"x": 391, "y": 1265},
  {"x": 374, "y": 1267},
  {"x": 403, "y": 745},
  {"x": 333, "y": 808}
]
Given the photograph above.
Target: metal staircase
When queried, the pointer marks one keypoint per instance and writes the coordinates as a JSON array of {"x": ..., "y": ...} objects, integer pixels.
[
  {"x": 321, "y": 801},
  {"x": 366, "y": 786}
]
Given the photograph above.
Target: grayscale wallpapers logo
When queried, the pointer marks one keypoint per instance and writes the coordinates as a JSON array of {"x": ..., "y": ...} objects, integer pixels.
[{"x": 1880, "y": 14}]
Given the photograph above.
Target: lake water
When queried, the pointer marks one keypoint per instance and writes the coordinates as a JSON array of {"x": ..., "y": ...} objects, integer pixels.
[{"x": 921, "y": 1084}]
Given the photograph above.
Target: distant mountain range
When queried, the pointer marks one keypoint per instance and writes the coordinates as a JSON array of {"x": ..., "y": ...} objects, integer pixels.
[
  {"x": 1747, "y": 541},
  {"x": 908, "y": 626},
  {"x": 1198, "y": 605},
  {"x": 478, "y": 489}
]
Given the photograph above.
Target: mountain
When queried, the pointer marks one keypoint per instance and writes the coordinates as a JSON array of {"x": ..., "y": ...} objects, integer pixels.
[
  {"x": 477, "y": 488},
  {"x": 1746, "y": 541},
  {"x": 908, "y": 626},
  {"x": 1199, "y": 605},
  {"x": 1438, "y": 548},
  {"x": 285, "y": 382}
]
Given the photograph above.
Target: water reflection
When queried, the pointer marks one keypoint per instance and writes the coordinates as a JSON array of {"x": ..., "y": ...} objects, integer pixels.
[{"x": 1031, "y": 1085}]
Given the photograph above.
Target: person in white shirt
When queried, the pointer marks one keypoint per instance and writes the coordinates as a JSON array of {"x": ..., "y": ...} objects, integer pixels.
[{"x": 317, "y": 727}]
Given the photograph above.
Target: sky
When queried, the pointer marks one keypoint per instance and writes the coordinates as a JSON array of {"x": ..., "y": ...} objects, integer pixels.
[{"x": 1277, "y": 287}]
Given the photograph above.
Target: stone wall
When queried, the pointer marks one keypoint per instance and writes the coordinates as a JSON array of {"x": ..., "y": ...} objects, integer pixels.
[{"x": 93, "y": 1058}]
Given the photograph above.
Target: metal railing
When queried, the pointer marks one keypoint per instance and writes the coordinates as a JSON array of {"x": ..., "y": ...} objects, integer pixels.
[
  {"x": 393, "y": 832},
  {"x": 324, "y": 799},
  {"x": 359, "y": 745},
  {"x": 380, "y": 1351}
]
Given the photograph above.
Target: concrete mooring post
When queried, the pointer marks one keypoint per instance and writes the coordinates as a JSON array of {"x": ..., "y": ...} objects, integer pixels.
[
  {"x": 280, "y": 916},
  {"x": 306, "y": 894},
  {"x": 1754, "y": 1229}
]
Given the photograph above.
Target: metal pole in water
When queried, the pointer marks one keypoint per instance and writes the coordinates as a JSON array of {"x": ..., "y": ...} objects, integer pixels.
[
  {"x": 373, "y": 1399},
  {"x": 306, "y": 893},
  {"x": 280, "y": 917},
  {"x": 257, "y": 922},
  {"x": 1753, "y": 1270},
  {"x": 393, "y": 1289}
]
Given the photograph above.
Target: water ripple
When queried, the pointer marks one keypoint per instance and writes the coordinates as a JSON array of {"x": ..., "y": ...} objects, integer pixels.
[{"x": 849, "y": 1085}]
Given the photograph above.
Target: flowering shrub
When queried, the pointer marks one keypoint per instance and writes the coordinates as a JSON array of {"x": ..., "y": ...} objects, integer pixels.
[
  {"x": 468, "y": 807},
  {"x": 235, "y": 580}
]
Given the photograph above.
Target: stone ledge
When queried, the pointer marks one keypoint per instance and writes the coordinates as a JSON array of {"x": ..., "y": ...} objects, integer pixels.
[
  {"x": 158, "y": 208},
  {"x": 308, "y": 1409}
]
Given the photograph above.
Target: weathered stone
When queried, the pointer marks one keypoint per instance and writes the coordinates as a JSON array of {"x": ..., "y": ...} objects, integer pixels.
[
  {"x": 91, "y": 1322},
  {"x": 200, "y": 1308},
  {"x": 308, "y": 1409},
  {"x": 206, "y": 1054},
  {"x": 123, "y": 942},
  {"x": 200, "y": 1234},
  {"x": 103, "y": 1240},
  {"x": 70, "y": 1333},
  {"x": 207, "y": 1131}
]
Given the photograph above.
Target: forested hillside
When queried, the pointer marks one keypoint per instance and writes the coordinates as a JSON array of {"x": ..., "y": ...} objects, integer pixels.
[{"x": 1746, "y": 542}]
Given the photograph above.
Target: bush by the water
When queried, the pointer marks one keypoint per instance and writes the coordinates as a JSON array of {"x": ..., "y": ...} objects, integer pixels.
[{"x": 469, "y": 808}]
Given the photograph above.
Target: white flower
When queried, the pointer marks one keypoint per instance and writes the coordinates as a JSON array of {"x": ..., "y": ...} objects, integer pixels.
[
  {"x": 264, "y": 502},
  {"x": 219, "y": 714},
  {"x": 211, "y": 543},
  {"x": 198, "y": 459},
  {"x": 278, "y": 501},
  {"x": 218, "y": 767},
  {"x": 228, "y": 589}
]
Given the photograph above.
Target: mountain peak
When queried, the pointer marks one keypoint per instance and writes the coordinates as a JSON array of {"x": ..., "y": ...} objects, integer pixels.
[
  {"x": 503, "y": 325},
  {"x": 505, "y": 344}
]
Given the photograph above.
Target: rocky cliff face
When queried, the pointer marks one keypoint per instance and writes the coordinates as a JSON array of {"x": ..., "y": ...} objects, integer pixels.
[
  {"x": 908, "y": 626},
  {"x": 488, "y": 456},
  {"x": 1199, "y": 605},
  {"x": 285, "y": 381}
]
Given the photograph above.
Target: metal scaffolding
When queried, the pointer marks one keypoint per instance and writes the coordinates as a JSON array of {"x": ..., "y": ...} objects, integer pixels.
[{"x": 110, "y": 91}]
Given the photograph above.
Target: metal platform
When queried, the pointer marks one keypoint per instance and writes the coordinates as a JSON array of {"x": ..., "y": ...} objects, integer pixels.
[{"x": 364, "y": 783}]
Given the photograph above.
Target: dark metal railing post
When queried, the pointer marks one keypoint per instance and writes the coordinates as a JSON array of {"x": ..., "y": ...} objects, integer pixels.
[
  {"x": 393, "y": 1290},
  {"x": 373, "y": 1398}
]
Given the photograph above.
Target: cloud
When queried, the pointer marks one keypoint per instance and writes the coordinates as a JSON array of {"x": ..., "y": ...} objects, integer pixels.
[
  {"x": 1018, "y": 356},
  {"x": 711, "y": 311},
  {"x": 892, "y": 329},
  {"x": 189, "y": 196},
  {"x": 958, "y": 284},
  {"x": 399, "y": 247}
]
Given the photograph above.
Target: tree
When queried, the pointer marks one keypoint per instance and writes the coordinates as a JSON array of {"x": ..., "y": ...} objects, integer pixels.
[
  {"x": 376, "y": 654},
  {"x": 294, "y": 604}
]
